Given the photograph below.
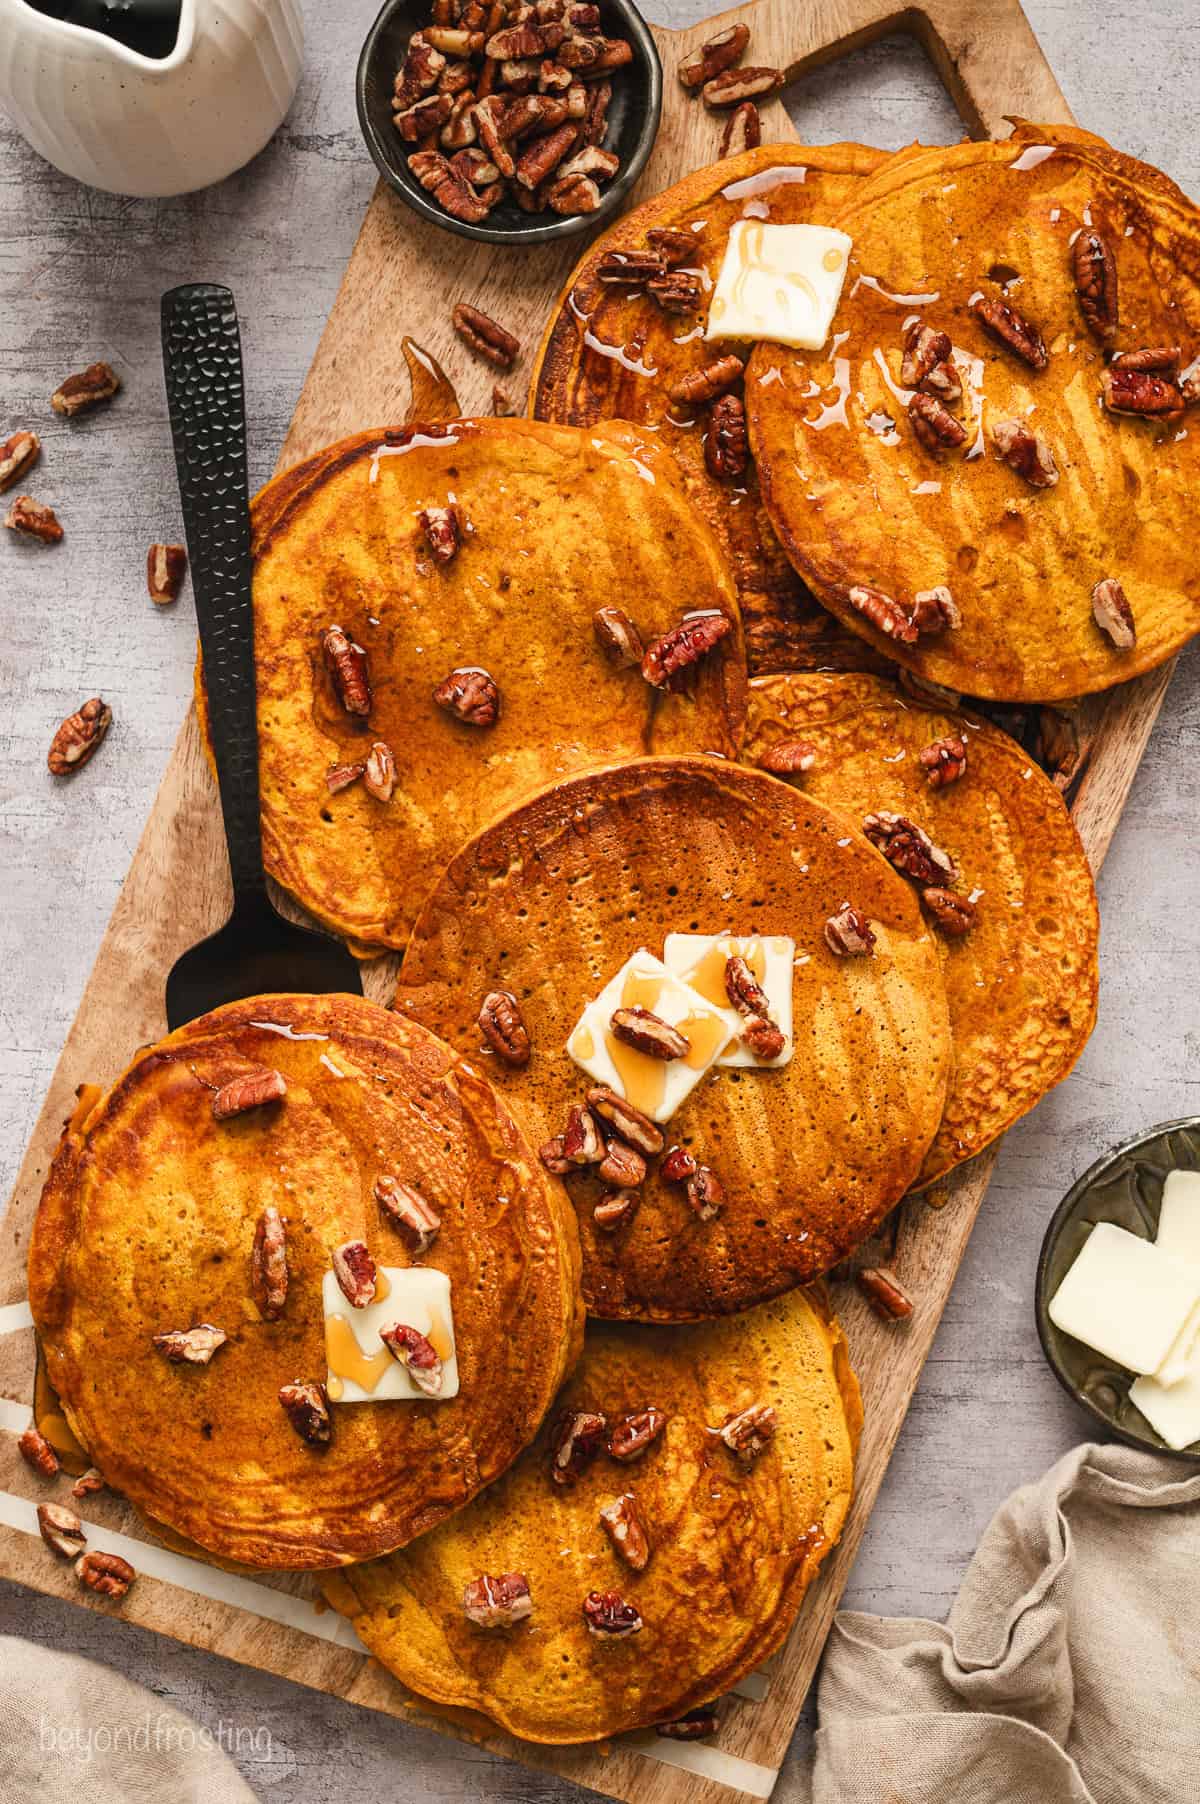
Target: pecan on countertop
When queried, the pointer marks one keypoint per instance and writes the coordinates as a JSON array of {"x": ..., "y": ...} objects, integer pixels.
[{"x": 78, "y": 736}]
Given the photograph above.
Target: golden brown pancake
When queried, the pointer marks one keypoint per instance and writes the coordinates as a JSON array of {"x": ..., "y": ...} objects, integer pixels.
[
  {"x": 1021, "y": 984},
  {"x": 559, "y": 524},
  {"x": 581, "y": 378},
  {"x": 861, "y": 501},
  {"x": 551, "y": 900},
  {"x": 733, "y": 1547},
  {"x": 146, "y": 1227}
]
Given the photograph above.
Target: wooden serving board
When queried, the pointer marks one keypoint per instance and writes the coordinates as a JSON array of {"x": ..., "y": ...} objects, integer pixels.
[{"x": 403, "y": 278}]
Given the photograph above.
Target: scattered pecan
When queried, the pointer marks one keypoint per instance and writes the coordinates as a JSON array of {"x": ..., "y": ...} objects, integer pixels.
[
  {"x": 726, "y": 452},
  {"x": 743, "y": 130},
  {"x": 1094, "y": 272},
  {"x": 190, "y": 1346},
  {"x": 17, "y": 455},
  {"x": 624, "y": 1527},
  {"x": 924, "y": 348},
  {"x": 1189, "y": 383},
  {"x": 165, "y": 567},
  {"x": 106, "y": 1573},
  {"x": 763, "y": 1038},
  {"x": 268, "y": 1264},
  {"x": 935, "y": 611},
  {"x": 415, "y": 1353},
  {"x": 629, "y": 269},
  {"x": 88, "y": 1485},
  {"x": 608, "y": 1615},
  {"x": 693, "y": 1726},
  {"x": 497, "y": 1601},
  {"x": 743, "y": 988},
  {"x": 676, "y": 292},
  {"x": 1153, "y": 359},
  {"x": 622, "y": 1167},
  {"x": 441, "y": 529},
  {"x": 422, "y": 120},
  {"x": 356, "y": 1272},
  {"x": 346, "y": 663},
  {"x": 630, "y": 1123},
  {"x": 717, "y": 55},
  {"x": 617, "y": 637},
  {"x": 1139, "y": 392},
  {"x": 574, "y": 194},
  {"x": 934, "y": 426},
  {"x": 671, "y": 244},
  {"x": 616, "y": 1209},
  {"x": 78, "y": 394},
  {"x": 944, "y": 381},
  {"x": 583, "y": 1143},
  {"x": 884, "y": 1293},
  {"x": 705, "y": 1193},
  {"x": 736, "y": 85},
  {"x": 553, "y": 1157},
  {"x": 306, "y": 1405},
  {"x": 471, "y": 695},
  {"x": 1025, "y": 452},
  {"x": 700, "y": 386},
  {"x": 884, "y": 614},
  {"x": 576, "y": 1439},
  {"x": 341, "y": 776},
  {"x": 746, "y": 1432},
  {"x": 35, "y": 519},
  {"x": 647, "y": 1032},
  {"x": 952, "y": 915},
  {"x": 1113, "y": 614},
  {"x": 670, "y": 656},
  {"x": 450, "y": 190},
  {"x": 250, "y": 1091},
  {"x": 788, "y": 757},
  {"x": 78, "y": 736},
  {"x": 408, "y": 1211},
  {"x": 678, "y": 1166},
  {"x": 503, "y": 1027},
  {"x": 944, "y": 761},
  {"x": 502, "y": 407},
  {"x": 37, "y": 1452},
  {"x": 635, "y": 1432},
  {"x": 1011, "y": 329},
  {"x": 848, "y": 933},
  {"x": 379, "y": 771},
  {"x": 909, "y": 848}
]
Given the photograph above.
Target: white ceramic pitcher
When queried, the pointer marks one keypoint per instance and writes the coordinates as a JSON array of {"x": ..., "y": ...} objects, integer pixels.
[{"x": 149, "y": 126}]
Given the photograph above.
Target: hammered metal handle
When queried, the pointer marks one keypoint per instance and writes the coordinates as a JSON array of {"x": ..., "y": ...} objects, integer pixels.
[{"x": 202, "y": 363}]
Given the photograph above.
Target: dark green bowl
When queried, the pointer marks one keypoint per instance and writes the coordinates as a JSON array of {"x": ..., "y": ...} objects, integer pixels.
[{"x": 1125, "y": 1187}]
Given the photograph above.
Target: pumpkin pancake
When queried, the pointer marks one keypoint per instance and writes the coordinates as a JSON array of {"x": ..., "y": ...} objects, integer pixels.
[
  {"x": 147, "y": 1227},
  {"x": 733, "y": 1546},
  {"x": 860, "y": 502},
  {"x": 1022, "y": 981},
  {"x": 550, "y": 901},
  {"x": 555, "y": 524},
  {"x": 610, "y": 352}
]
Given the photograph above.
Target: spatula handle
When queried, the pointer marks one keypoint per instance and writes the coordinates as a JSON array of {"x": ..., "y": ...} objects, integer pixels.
[{"x": 202, "y": 363}]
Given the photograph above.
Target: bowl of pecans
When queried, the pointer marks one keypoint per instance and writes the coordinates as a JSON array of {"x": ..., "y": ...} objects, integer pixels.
[{"x": 512, "y": 122}]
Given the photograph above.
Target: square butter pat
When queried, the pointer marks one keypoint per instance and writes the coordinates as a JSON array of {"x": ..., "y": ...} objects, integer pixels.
[
  {"x": 1173, "y": 1411},
  {"x": 1179, "y": 1355},
  {"x": 1179, "y": 1217},
  {"x": 781, "y": 282},
  {"x": 655, "y": 1086},
  {"x": 1126, "y": 1298},
  {"x": 360, "y": 1367},
  {"x": 700, "y": 960}
]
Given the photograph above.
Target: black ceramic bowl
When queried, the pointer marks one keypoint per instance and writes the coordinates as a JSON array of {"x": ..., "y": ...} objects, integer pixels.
[
  {"x": 1124, "y": 1187},
  {"x": 632, "y": 125}
]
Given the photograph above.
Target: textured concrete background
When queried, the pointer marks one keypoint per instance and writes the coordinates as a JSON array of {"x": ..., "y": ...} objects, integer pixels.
[{"x": 80, "y": 277}]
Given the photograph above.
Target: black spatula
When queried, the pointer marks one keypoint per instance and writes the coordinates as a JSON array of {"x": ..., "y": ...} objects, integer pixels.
[{"x": 256, "y": 951}]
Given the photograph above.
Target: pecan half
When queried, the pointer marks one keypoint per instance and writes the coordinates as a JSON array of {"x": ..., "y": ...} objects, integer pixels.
[
  {"x": 190, "y": 1346},
  {"x": 742, "y": 130},
  {"x": 935, "y": 611},
  {"x": 694, "y": 1725},
  {"x": 471, "y": 695},
  {"x": 635, "y": 1432},
  {"x": 788, "y": 757},
  {"x": 624, "y": 1527},
  {"x": 268, "y": 1264},
  {"x": 576, "y": 1439},
  {"x": 952, "y": 915},
  {"x": 944, "y": 381},
  {"x": 18, "y": 454},
  {"x": 934, "y": 426},
  {"x": 717, "y": 55},
  {"x": 625, "y": 1120},
  {"x": 574, "y": 194},
  {"x": 341, "y": 776},
  {"x": 884, "y": 1293},
  {"x": 736, "y": 85},
  {"x": 78, "y": 736},
  {"x": 475, "y": 166},
  {"x": 356, "y": 1272},
  {"x": 544, "y": 156},
  {"x": 583, "y": 1143},
  {"x": 61, "y": 1530},
  {"x": 848, "y": 933},
  {"x": 250, "y": 1091},
  {"x": 1155, "y": 359},
  {"x": 408, "y": 1211},
  {"x": 763, "y": 1038},
  {"x": 1094, "y": 273},
  {"x": 629, "y": 269},
  {"x": 743, "y": 988},
  {"x": 459, "y": 130},
  {"x": 306, "y": 1405},
  {"x": 884, "y": 614},
  {"x": 649, "y": 1033},
  {"x": 747, "y": 1432},
  {"x": 909, "y": 848},
  {"x": 622, "y": 1167},
  {"x": 944, "y": 761},
  {"x": 165, "y": 568},
  {"x": 617, "y": 637},
  {"x": 503, "y": 1027},
  {"x": 701, "y": 386},
  {"x": 592, "y": 161},
  {"x": 553, "y": 1157},
  {"x": 528, "y": 39},
  {"x": 379, "y": 771},
  {"x": 924, "y": 348},
  {"x": 78, "y": 394},
  {"x": 88, "y": 1485},
  {"x": 442, "y": 532},
  {"x": 497, "y": 1600},
  {"x": 1139, "y": 392},
  {"x": 490, "y": 115},
  {"x": 422, "y": 120},
  {"x": 678, "y": 1166},
  {"x": 1025, "y": 452},
  {"x": 616, "y": 1209},
  {"x": 346, "y": 663},
  {"x": 705, "y": 1193},
  {"x": 595, "y": 118},
  {"x": 416, "y": 1355},
  {"x": 421, "y": 70},
  {"x": 672, "y": 244},
  {"x": 676, "y": 292},
  {"x": 105, "y": 1573},
  {"x": 35, "y": 519},
  {"x": 609, "y": 1616},
  {"x": 1012, "y": 330},
  {"x": 37, "y": 1452},
  {"x": 726, "y": 449},
  {"x": 449, "y": 189},
  {"x": 670, "y": 656},
  {"x": 1113, "y": 614}
]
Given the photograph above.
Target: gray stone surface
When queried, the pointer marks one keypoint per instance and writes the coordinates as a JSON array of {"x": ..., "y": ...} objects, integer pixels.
[{"x": 80, "y": 277}]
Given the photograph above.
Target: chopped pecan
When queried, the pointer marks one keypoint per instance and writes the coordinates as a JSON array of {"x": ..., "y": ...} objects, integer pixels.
[
  {"x": 88, "y": 1485},
  {"x": 678, "y": 1166},
  {"x": 544, "y": 155},
  {"x": 1094, "y": 272},
  {"x": 471, "y": 695},
  {"x": 36, "y": 519},
  {"x": 883, "y": 1292},
  {"x": 441, "y": 529},
  {"x": 17, "y": 455},
  {"x": 584, "y": 18},
  {"x": 592, "y": 160},
  {"x": 703, "y": 385},
  {"x": 944, "y": 761},
  {"x": 580, "y": 54},
  {"x": 458, "y": 77},
  {"x": 694, "y": 1725},
  {"x": 742, "y": 131},
  {"x": 574, "y": 194},
  {"x": 502, "y": 407},
  {"x": 635, "y": 1432},
  {"x": 449, "y": 189},
  {"x": 952, "y": 915},
  {"x": 746, "y": 1432},
  {"x": 78, "y": 394},
  {"x": 944, "y": 381},
  {"x": 459, "y": 130},
  {"x": 576, "y": 1439},
  {"x": 1113, "y": 614},
  {"x": 616, "y": 1209},
  {"x": 848, "y": 933},
  {"x": 613, "y": 53},
  {"x": 486, "y": 336},
  {"x": 717, "y": 55},
  {"x": 935, "y": 611},
  {"x": 764, "y": 1038},
  {"x": 37, "y": 1452},
  {"x": 423, "y": 119},
  {"x": 416, "y": 1355},
  {"x": 497, "y": 1601},
  {"x": 474, "y": 166},
  {"x": 268, "y": 1264},
  {"x": 306, "y": 1405},
  {"x": 583, "y": 1143},
  {"x": 934, "y": 426},
  {"x": 453, "y": 40},
  {"x": 528, "y": 39},
  {"x": 1189, "y": 383},
  {"x": 421, "y": 70},
  {"x": 379, "y": 771},
  {"x": 105, "y": 1573},
  {"x": 705, "y": 1193},
  {"x": 553, "y": 1157},
  {"x": 408, "y": 1211},
  {"x": 632, "y": 1126},
  {"x": 669, "y": 657},
  {"x": 503, "y": 1027},
  {"x": 788, "y": 757},
  {"x": 924, "y": 348},
  {"x": 250, "y": 1091},
  {"x": 629, "y": 269},
  {"x": 624, "y": 1527},
  {"x": 884, "y": 614},
  {"x": 1139, "y": 392},
  {"x": 1011, "y": 329},
  {"x": 672, "y": 245},
  {"x": 341, "y": 776},
  {"x": 736, "y": 85},
  {"x": 356, "y": 1272},
  {"x": 1153, "y": 359},
  {"x": 622, "y": 1167},
  {"x": 346, "y": 663},
  {"x": 647, "y": 1032},
  {"x": 617, "y": 637},
  {"x": 191, "y": 1346},
  {"x": 909, "y": 848},
  {"x": 676, "y": 292},
  {"x": 165, "y": 567},
  {"x": 78, "y": 736},
  {"x": 598, "y": 99},
  {"x": 609, "y": 1616},
  {"x": 553, "y": 78},
  {"x": 1025, "y": 452}
]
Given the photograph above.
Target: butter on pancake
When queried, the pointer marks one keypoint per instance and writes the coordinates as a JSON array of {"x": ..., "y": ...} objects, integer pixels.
[
  {"x": 1022, "y": 981},
  {"x": 960, "y": 474},
  {"x": 553, "y": 897},
  {"x": 780, "y": 282},
  {"x": 159, "y": 1219},
  {"x": 733, "y": 1544}
]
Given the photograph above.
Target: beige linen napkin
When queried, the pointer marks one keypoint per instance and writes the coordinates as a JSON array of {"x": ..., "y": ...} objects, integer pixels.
[
  {"x": 1068, "y": 1671},
  {"x": 73, "y": 1732}
]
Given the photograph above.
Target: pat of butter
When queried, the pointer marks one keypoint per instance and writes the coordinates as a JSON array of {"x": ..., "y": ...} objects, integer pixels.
[
  {"x": 360, "y": 1367},
  {"x": 1179, "y": 1217},
  {"x": 655, "y": 1086},
  {"x": 1173, "y": 1411},
  {"x": 781, "y": 282},
  {"x": 1126, "y": 1298},
  {"x": 700, "y": 960}
]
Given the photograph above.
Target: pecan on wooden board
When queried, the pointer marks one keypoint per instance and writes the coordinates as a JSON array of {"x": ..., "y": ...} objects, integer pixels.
[
  {"x": 884, "y": 1293},
  {"x": 715, "y": 56},
  {"x": 37, "y": 1452},
  {"x": 736, "y": 85},
  {"x": 742, "y": 130},
  {"x": 61, "y": 1530},
  {"x": 105, "y": 1573},
  {"x": 486, "y": 336}
]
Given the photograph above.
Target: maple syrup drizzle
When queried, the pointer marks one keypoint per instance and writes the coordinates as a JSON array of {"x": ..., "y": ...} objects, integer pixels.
[{"x": 433, "y": 394}]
